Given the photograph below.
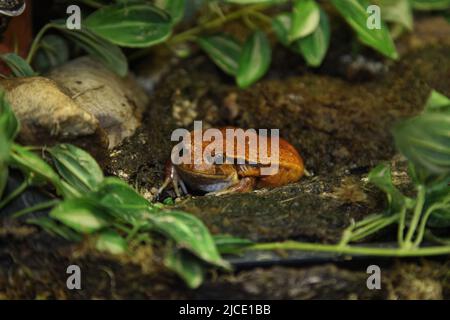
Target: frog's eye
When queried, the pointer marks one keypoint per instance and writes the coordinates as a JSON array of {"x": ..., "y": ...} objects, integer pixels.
[{"x": 219, "y": 159}]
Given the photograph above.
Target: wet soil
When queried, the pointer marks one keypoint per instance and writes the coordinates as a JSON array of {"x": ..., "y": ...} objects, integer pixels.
[{"x": 340, "y": 127}]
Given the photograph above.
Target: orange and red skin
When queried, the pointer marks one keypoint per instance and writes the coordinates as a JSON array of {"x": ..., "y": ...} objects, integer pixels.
[{"x": 243, "y": 178}]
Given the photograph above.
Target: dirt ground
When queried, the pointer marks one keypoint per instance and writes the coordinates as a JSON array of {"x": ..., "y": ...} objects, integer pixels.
[{"x": 341, "y": 128}]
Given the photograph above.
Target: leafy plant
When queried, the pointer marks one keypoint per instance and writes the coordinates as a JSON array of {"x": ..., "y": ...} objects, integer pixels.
[
  {"x": 106, "y": 208},
  {"x": 302, "y": 25},
  {"x": 425, "y": 142}
]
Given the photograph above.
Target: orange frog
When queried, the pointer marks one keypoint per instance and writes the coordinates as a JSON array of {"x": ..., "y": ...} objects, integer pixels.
[{"x": 239, "y": 169}]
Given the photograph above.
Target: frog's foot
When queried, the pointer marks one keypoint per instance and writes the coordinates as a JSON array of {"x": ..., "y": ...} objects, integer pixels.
[
  {"x": 173, "y": 178},
  {"x": 246, "y": 184}
]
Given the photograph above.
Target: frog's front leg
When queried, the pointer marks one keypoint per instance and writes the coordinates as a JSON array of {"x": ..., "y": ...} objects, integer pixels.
[{"x": 171, "y": 176}]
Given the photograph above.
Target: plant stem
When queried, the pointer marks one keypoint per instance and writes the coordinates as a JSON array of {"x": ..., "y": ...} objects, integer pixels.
[
  {"x": 192, "y": 33},
  {"x": 14, "y": 194},
  {"x": 352, "y": 250},
  {"x": 416, "y": 216},
  {"x": 35, "y": 45},
  {"x": 374, "y": 227},
  {"x": 37, "y": 207},
  {"x": 401, "y": 226},
  {"x": 423, "y": 222}
]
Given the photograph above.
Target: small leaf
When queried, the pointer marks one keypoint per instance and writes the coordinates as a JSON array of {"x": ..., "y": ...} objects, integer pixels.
[
  {"x": 109, "y": 54},
  {"x": 281, "y": 25},
  {"x": 175, "y": 8},
  {"x": 305, "y": 19},
  {"x": 223, "y": 50},
  {"x": 50, "y": 226},
  {"x": 33, "y": 166},
  {"x": 77, "y": 167},
  {"x": 255, "y": 59},
  {"x": 121, "y": 199},
  {"x": 18, "y": 66},
  {"x": 133, "y": 25},
  {"x": 187, "y": 266},
  {"x": 112, "y": 242},
  {"x": 398, "y": 11},
  {"x": 425, "y": 141},
  {"x": 431, "y": 4},
  {"x": 354, "y": 12},
  {"x": 382, "y": 178},
  {"x": 53, "y": 52},
  {"x": 80, "y": 214},
  {"x": 437, "y": 102},
  {"x": 188, "y": 232},
  {"x": 315, "y": 46},
  {"x": 230, "y": 245}
]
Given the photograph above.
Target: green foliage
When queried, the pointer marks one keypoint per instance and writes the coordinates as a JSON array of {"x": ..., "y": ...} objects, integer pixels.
[
  {"x": 304, "y": 28},
  {"x": 254, "y": 60},
  {"x": 131, "y": 25},
  {"x": 356, "y": 15},
  {"x": 18, "y": 66}
]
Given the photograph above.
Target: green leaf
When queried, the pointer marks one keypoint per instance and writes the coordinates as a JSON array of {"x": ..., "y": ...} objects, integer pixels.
[
  {"x": 354, "y": 12},
  {"x": 437, "y": 102},
  {"x": 305, "y": 19},
  {"x": 382, "y": 178},
  {"x": 82, "y": 215},
  {"x": 189, "y": 233},
  {"x": 223, "y": 50},
  {"x": 133, "y": 25},
  {"x": 425, "y": 141},
  {"x": 112, "y": 242},
  {"x": 230, "y": 245},
  {"x": 9, "y": 128},
  {"x": 281, "y": 25},
  {"x": 431, "y": 4},
  {"x": 187, "y": 266},
  {"x": 109, "y": 54},
  {"x": 255, "y": 59},
  {"x": 50, "y": 226},
  {"x": 33, "y": 166},
  {"x": 53, "y": 51},
  {"x": 175, "y": 8},
  {"x": 77, "y": 167},
  {"x": 397, "y": 11},
  {"x": 122, "y": 200},
  {"x": 18, "y": 66},
  {"x": 315, "y": 46}
]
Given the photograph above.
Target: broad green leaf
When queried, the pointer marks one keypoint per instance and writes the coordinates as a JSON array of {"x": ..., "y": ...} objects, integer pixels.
[
  {"x": 397, "y": 11},
  {"x": 315, "y": 46},
  {"x": 133, "y": 25},
  {"x": 175, "y": 8},
  {"x": 121, "y": 199},
  {"x": 255, "y": 59},
  {"x": 437, "y": 102},
  {"x": 112, "y": 242},
  {"x": 18, "y": 66},
  {"x": 431, "y": 4},
  {"x": 53, "y": 51},
  {"x": 189, "y": 233},
  {"x": 77, "y": 167},
  {"x": 305, "y": 19},
  {"x": 9, "y": 128},
  {"x": 382, "y": 178},
  {"x": 109, "y": 54},
  {"x": 187, "y": 266},
  {"x": 81, "y": 215},
  {"x": 425, "y": 141},
  {"x": 34, "y": 166},
  {"x": 230, "y": 245},
  {"x": 281, "y": 25},
  {"x": 356, "y": 15},
  {"x": 50, "y": 226},
  {"x": 223, "y": 50}
]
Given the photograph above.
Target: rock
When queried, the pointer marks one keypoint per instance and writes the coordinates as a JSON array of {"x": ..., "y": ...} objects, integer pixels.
[{"x": 117, "y": 103}]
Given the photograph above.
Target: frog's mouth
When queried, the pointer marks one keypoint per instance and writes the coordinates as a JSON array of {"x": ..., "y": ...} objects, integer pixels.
[
  {"x": 207, "y": 182},
  {"x": 13, "y": 11}
]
